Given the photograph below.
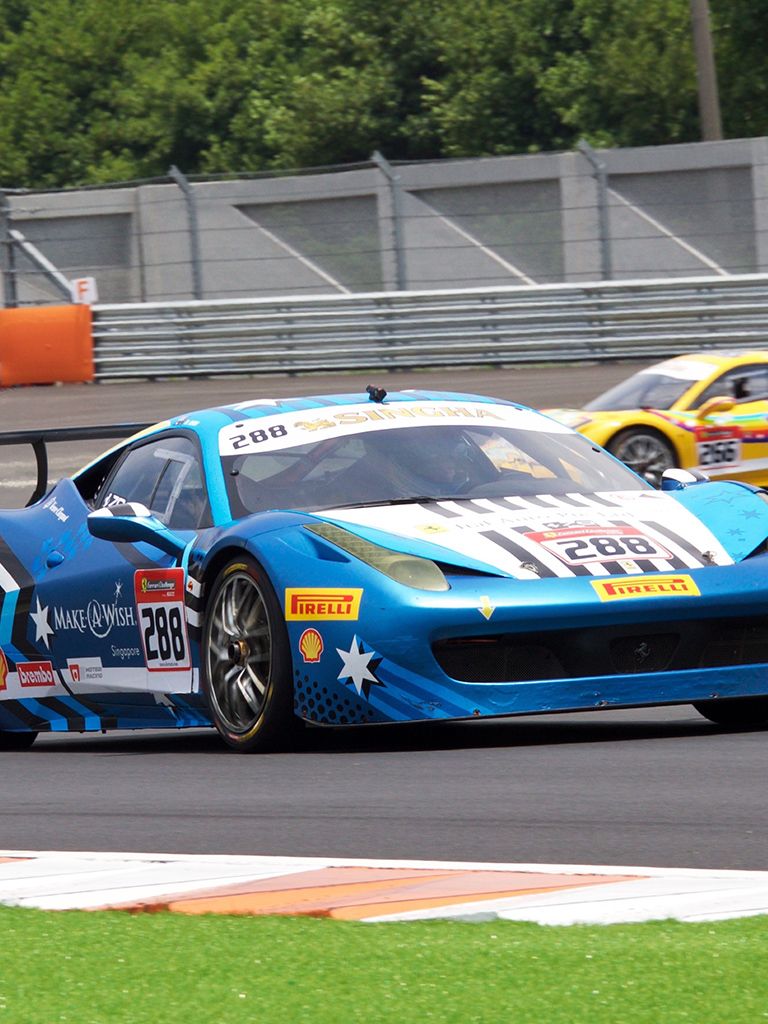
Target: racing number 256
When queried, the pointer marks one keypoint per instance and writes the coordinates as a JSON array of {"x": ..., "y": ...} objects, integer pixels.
[
  {"x": 712, "y": 453},
  {"x": 164, "y": 639}
]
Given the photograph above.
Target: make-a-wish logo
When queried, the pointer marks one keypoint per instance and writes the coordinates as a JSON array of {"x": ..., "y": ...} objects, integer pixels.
[{"x": 97, "y": 617}]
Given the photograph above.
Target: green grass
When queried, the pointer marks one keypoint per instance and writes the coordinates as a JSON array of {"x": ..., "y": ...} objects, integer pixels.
[{"x": 106, "y": 968}]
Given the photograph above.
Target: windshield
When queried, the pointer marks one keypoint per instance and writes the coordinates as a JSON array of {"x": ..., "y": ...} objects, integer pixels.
[
  {"x": 642, "y": 391},
  {"x": 443, "y": 462}
]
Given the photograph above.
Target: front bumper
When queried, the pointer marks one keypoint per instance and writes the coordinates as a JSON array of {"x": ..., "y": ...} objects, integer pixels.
[{"x": 383, "y": 666}]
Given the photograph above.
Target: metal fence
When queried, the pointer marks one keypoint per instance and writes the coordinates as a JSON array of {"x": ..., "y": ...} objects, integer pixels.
[
  {"x": 554, "y": 218},
  {"x": 388, "y": 330}
]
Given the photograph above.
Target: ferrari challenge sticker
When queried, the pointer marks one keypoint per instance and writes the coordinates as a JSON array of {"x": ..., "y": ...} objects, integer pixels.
[
  {"x": 588, "y": 544},
  {"x": 646, "y": 586},
  {"x": 162, "y": 623},
  {"x": 322, "y": 603}
]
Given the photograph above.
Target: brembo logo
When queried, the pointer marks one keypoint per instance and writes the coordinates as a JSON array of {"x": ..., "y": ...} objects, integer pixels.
[
  {"x": 36, "y": 673},
  {"x": 646, "y": 586},
  {"x": 322, "y": 603}
]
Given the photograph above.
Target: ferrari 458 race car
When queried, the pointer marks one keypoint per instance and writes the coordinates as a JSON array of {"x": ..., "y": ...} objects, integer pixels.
[
  {"x": 373, "y": 558},
  {"x": 702, "y": 412}
]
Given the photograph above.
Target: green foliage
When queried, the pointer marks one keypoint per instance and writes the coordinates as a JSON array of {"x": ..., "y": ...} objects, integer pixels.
[
  {"x": 632, "y": 80},
  {"x": 740, "y": 29},
  {"x": 93, "y": 93}
]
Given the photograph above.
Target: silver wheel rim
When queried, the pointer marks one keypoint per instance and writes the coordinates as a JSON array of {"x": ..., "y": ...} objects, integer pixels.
[
  {"x": 238, "y": 652},
  {"x": 647, "y": 455}
]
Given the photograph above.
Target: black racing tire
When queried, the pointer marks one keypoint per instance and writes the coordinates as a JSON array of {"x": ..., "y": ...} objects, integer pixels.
[
  {"x": 247, "y": 674},
  {"x": 735, "y": 712},
  {"x": 16, "y": 740},
  {"x": 645, "y": 451}
]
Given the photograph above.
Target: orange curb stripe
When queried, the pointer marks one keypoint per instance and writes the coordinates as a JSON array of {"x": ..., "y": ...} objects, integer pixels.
[
  {"x": 289, "y": 901},
  {"x": 377, "y": 910},
  {"x": 354, "y": 899},
  {"x": 302, "y": 881}
]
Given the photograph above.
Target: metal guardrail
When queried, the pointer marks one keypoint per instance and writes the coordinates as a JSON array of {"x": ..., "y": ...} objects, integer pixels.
[{"x": 388, "y": 330}]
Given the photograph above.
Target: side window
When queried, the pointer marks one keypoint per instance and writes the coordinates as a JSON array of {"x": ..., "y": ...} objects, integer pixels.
[
  {"x": 754, "y": 383},
  {"x": 742, "y": 383},
  {"x": 166, "y": 476},
  {"x": 134, "y": 479}
]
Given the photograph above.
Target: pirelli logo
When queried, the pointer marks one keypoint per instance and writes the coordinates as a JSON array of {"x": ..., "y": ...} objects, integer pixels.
[
  {"x": 322, "y": 603},
  {"x": 646, "y": 586}
]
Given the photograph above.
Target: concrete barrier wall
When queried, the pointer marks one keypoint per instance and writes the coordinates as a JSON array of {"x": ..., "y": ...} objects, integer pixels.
[{"x": 672, "y": 211}]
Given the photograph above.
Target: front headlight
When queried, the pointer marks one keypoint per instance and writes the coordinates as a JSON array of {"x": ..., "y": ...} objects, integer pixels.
[{"x": 409, "y": 570}]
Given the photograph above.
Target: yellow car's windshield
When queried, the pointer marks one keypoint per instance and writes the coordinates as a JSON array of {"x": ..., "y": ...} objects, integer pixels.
[{"x": 642, "y": 391}]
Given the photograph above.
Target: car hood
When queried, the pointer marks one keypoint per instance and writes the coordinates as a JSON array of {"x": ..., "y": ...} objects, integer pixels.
[
  {"x": 627, "y": 532},
  {"x": 573, "y": 418}
]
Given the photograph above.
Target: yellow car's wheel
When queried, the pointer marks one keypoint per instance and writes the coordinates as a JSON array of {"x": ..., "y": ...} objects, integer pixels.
[{"x": 645, "y": 451}]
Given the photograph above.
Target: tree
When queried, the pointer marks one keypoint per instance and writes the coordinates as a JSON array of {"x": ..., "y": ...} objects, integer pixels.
[
  {"x": 739, "y": 29},
  {"x": 214, "y": 86}
]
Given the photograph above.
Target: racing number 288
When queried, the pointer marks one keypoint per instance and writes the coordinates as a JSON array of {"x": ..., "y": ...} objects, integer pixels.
[
  {"x": 164, "y": 638},
  {"x": 257, "y": 436},
  {"x": 594, "y": 549}
]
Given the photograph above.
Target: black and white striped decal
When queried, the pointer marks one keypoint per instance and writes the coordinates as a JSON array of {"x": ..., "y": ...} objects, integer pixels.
[{"x": 537, "y": 561}]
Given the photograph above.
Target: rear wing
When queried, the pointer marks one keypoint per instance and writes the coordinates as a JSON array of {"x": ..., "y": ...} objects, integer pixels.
[{"x": 40, "y": 439}]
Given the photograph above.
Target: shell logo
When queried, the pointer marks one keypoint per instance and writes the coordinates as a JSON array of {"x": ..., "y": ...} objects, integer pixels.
[
  {"x": 311, "y": 645},
  {"x": 3, "y": 671}
]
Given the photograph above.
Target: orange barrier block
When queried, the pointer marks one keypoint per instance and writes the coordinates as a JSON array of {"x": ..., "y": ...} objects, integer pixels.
[{"x": 45, "y": 344}]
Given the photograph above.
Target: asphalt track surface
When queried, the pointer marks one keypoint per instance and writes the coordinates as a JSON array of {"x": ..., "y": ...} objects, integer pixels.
[{"x": 658, "y": 787}]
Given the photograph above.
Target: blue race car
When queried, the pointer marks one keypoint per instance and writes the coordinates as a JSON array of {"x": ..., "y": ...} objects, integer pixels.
[{"x": 371, "y": 558}]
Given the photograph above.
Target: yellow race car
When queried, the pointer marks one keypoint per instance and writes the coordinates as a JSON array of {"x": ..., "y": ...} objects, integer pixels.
[{"x": 706, "y": 412}]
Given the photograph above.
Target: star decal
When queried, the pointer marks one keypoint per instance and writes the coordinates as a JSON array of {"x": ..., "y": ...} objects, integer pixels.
[
  {"x": 43, "y": 630},
  {"x": 358, "y": 666},
  {"x": 118, "y": 589}
]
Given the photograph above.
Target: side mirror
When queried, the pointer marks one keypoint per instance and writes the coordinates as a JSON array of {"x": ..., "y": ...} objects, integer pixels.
[
  {"x": 132, "y": 523},
  {"x": 720, "y": 403},
  {"x": 679, "y": 479}
]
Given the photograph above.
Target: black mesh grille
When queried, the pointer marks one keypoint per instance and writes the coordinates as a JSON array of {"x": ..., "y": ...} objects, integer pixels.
[{"x": 604, "y": 651}]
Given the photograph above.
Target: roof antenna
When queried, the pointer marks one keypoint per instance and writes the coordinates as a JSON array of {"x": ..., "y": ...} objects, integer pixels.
[{"x": 376, "y": 394}]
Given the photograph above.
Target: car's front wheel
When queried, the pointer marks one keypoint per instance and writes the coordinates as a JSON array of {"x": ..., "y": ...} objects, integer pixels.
[
  {"x": 246, "y": 663},
  {"x": 17, "y": 740},
  {"x": 645, "y": 451},
  {"x": 735, "y": 712}
]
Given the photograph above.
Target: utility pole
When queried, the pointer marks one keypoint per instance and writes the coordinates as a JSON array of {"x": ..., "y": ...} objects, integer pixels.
[{"x": 709, "y": 102}]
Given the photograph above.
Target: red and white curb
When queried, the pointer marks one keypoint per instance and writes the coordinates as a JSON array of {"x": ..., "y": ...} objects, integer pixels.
[{"x": 372, "y": 890}]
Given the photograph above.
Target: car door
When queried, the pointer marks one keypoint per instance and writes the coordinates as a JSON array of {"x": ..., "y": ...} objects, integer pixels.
[
  {"x": 734, "y": 443},
  {"x": 112, "y": 615}
]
